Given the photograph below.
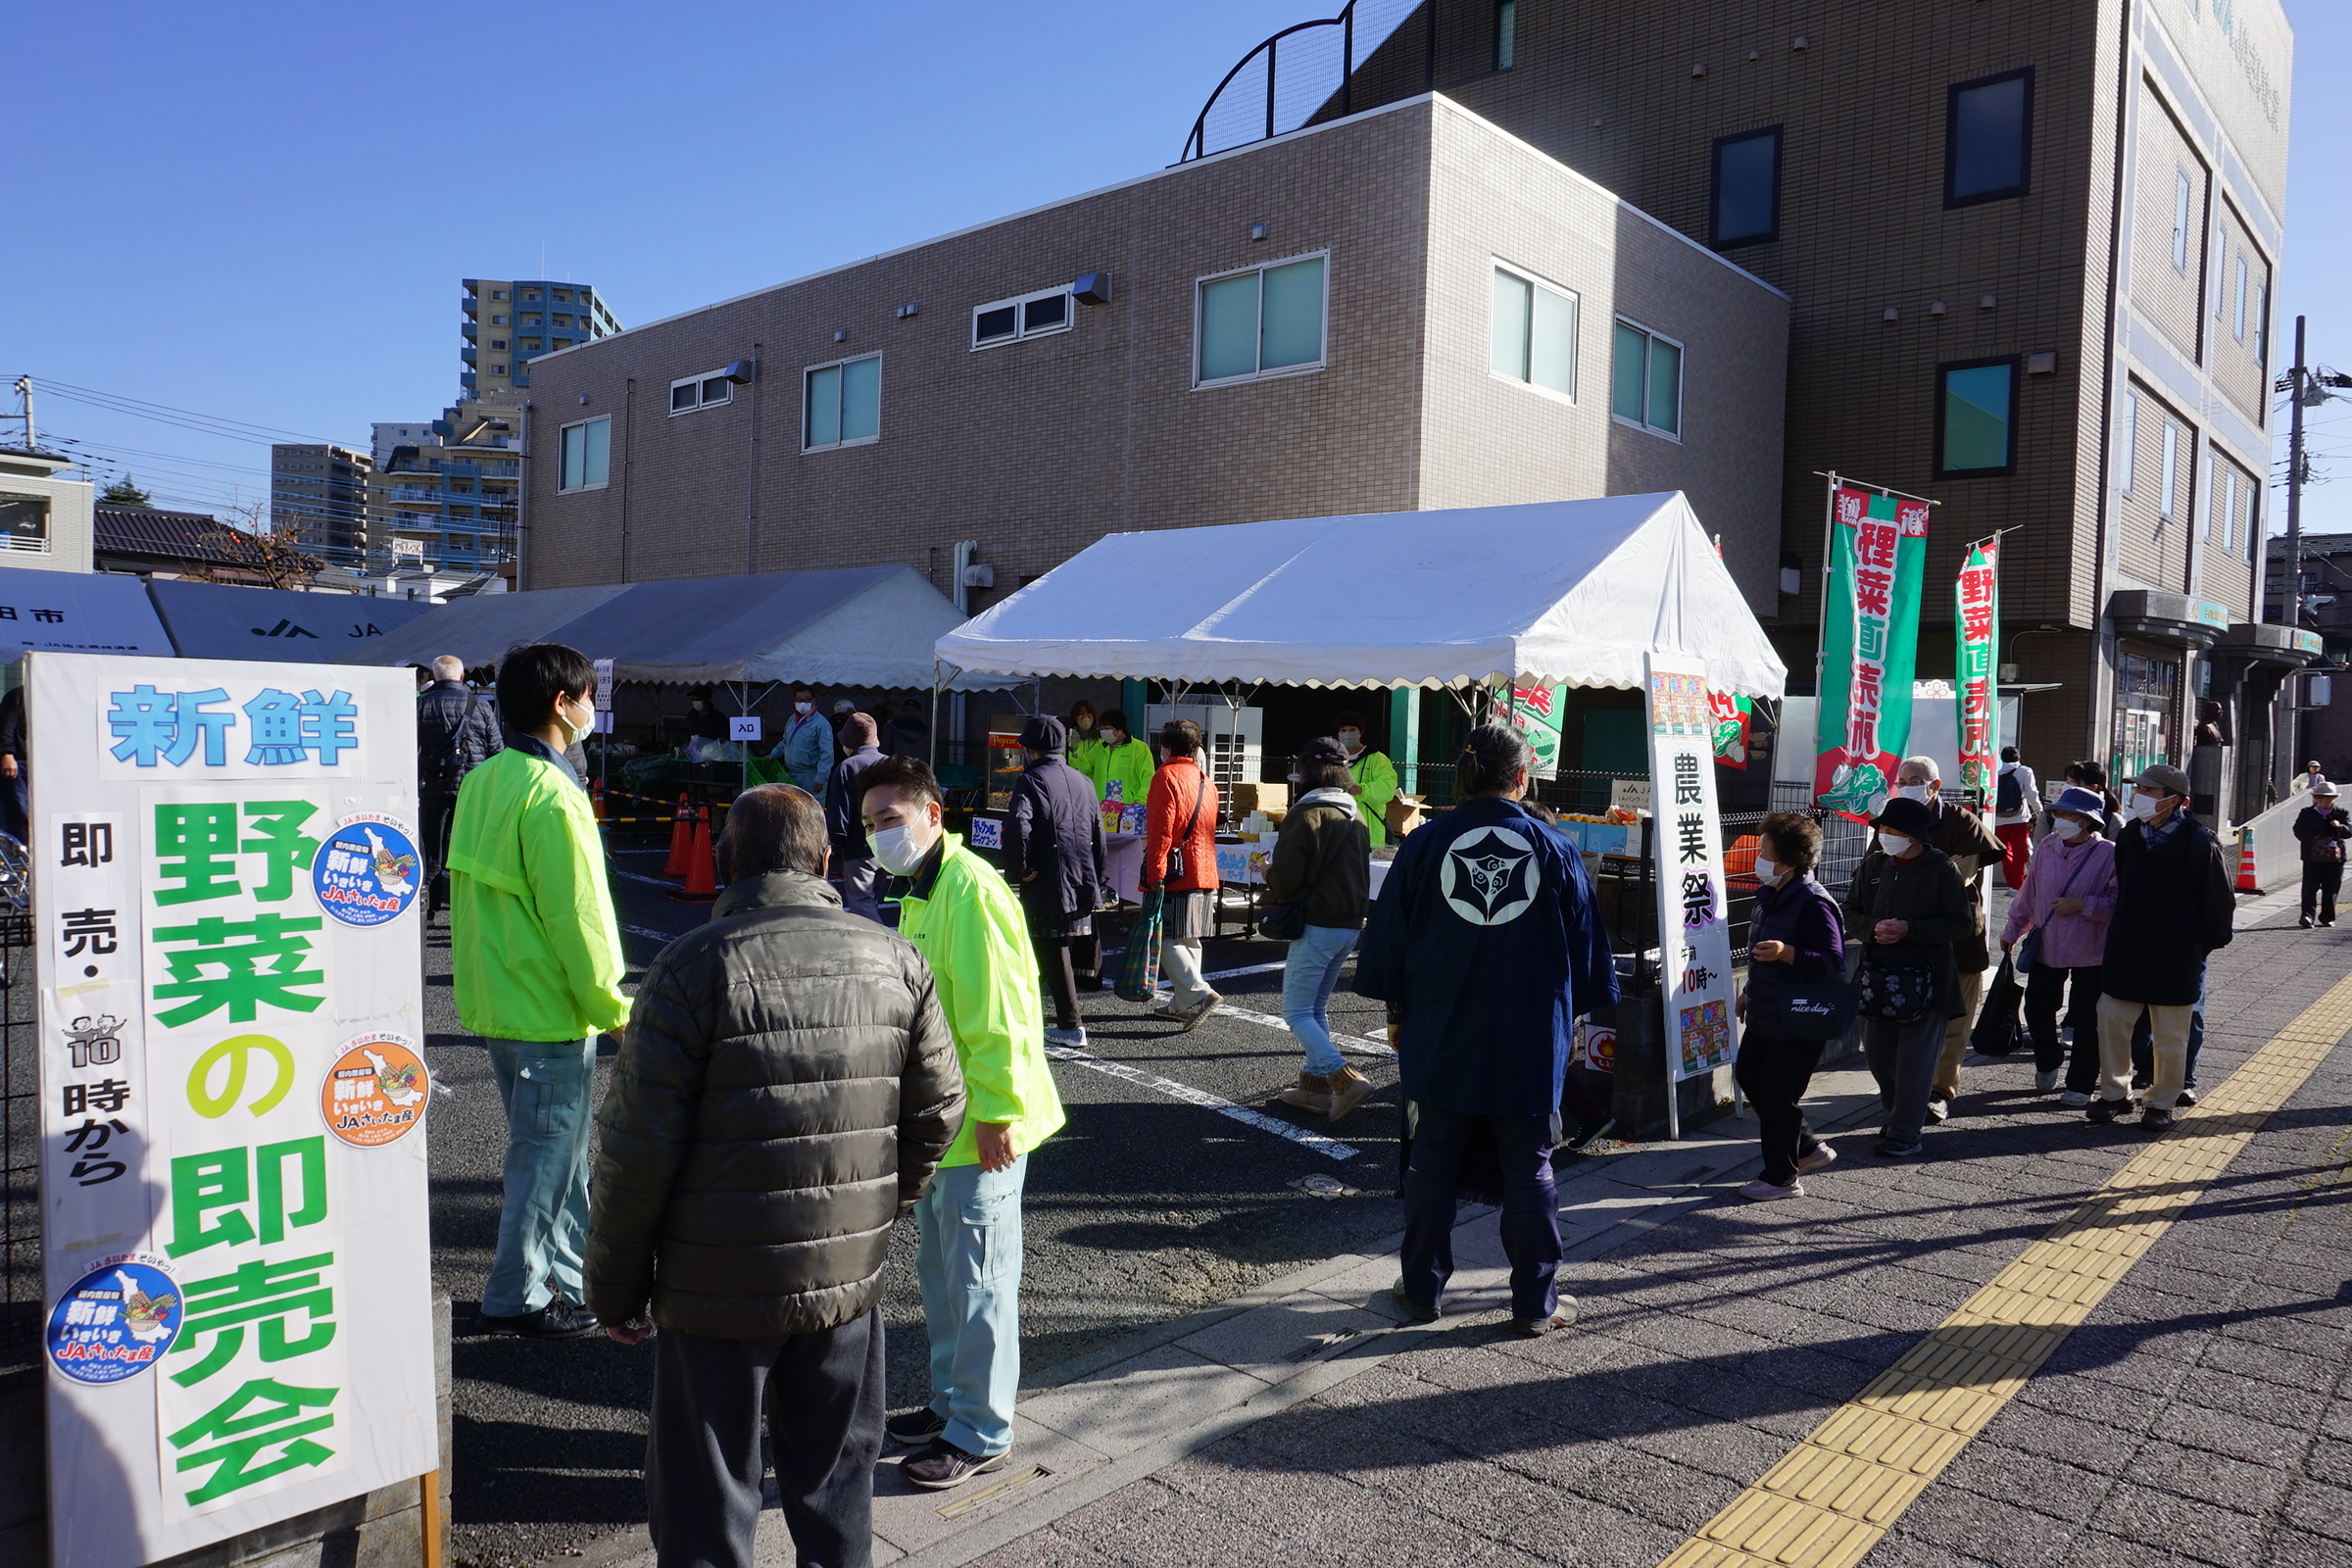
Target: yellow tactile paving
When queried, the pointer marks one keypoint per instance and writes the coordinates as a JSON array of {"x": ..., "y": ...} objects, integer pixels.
[{"x": 1831, "y": 1499}]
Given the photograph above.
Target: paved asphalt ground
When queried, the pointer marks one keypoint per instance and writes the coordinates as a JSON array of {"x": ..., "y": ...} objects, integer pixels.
[{"x": 1144, "y": 1208}]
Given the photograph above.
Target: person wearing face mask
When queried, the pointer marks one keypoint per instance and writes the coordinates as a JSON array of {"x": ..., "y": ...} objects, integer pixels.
[
  {"x": 702, "y": 722},
  {"x": 2322, "y": 830},
  {"x": 1374, "y": 774},
  {"x": 1908, "y": 906},
  {"x": 2172, "y": 908},
  {"x": 1054, "y": 855},
  {"x": 1321, "y": 864},
  {"x": 1087, "y": 750},
  {"x": 2016, "y": 802},
  {"x": 807, "y": 746},
  {"x": 2069, "y": 896},
  {"x": 536, "y": 968},
  {"x": 1180, "y": 863},
  {"x": 1126, "y": 761},
  {"x": 1795, "y": 934},
  {"x": 967, "y": 924},
  {"x": 2089, "y": 775},
  {"x": 1963, "y": 837}
]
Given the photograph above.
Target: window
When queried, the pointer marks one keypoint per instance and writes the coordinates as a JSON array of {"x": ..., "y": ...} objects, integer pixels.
[
  {"x": 498, "y": 321},
  {"x": 498, "y": 369},
  {"x": 530, "y": 294},
  {"x": 498, "y": 293},
  {"x": 2169, "y": 493},
  {"x": 2229, "y": 511},
  {"x": 1747, "y": 188},
  {"x": 532, "y": 321},
  {"x": 497, "y": 343},
  {"x": 1646, "y": 380},
  {"x": 2129, "y": 439},
  {"x": 1028, "y": 316},
  {"x": 1534, "y": 332},
  {"x": 842, "y": 403},
  {"x": 1265, "y": 322},
  {"x": 1988, "y": 138},
  {"x": 701, "y": 392},
  {"x": 2253, "y": 533},
  {"x": 2238, "y": 329},
  {"x": 2262, "y": 324},
  {"x": 2183, "y": 194},
  {"x": 563, "y": 321},
  {"x": 1974, "y": 425},
  {"x": 587, "y": 455},
  {"x": 1507, "y": 34},
  {"x": 531, "y": 345},
  {"x": 2214, "y": 510},
  {"x": 562, "y": 296}
]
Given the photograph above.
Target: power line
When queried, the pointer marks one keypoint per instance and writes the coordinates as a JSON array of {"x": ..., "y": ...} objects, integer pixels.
[{"x": 165, "y": 413}]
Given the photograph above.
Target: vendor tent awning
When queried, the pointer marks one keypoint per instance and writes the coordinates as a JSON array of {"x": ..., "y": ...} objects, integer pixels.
[
  {"x": 480, "y": 628},
  {"x": 1570, "y": 592},
  {"x": 206, "y": 620},
  {"x": 77, "y": 612},
  {"x": 856, "y": 626}
]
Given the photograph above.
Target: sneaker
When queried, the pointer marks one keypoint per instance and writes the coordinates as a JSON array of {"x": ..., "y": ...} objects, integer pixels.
[
  {"x": 1889, "y": 1149},
  {"x": 1349, "y": 1090},
  {"x": 1419, "y": 1314},
  {"x": 1168, "y": 1011},
  {"x": 1311, "y": 1093},
  {"x": 1761, "y": 1191},
  {"x": 915, "y": 1428},
  {"x": 2104, "y": 1111},
  {"x": 2156, "y": 1119},
  {"x": 1587, "y": 1137},
  {"x": 943, "y": 1465},
  {"x": 2188, "y": 1097},
  {"x": 2304, "y": 922},
  {"x": 2326, "y": 925},
  {"x": 1822, "y": 1155},
  {"x": 1200, "y": 1011},
  {"x": 2044, "y": 1082},
  {"x": 1066, "y": 1037},
  {"x": 1939, "y": 1109},
  {"x": 1535, "y": 1328},
  {"x": 2075, "y": 1098},
  {"x": 559, "y": 1319}
]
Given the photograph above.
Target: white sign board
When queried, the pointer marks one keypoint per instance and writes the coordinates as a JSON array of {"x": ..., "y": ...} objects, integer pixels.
[
  {"x": 744, "y": 729},
  {"x": 233, "y": 1094},
  {"x": 603, "y": 685},
  {"x": 1694, "y": 933}
]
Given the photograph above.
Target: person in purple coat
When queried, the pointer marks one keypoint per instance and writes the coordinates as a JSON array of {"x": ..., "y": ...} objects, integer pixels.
[
  {"x": 1794, "y": 933},
  {"x": 1054, "y": 856}
]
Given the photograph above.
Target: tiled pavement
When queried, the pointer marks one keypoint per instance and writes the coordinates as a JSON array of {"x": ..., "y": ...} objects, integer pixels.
[{"x": 2201, "y": 1414}]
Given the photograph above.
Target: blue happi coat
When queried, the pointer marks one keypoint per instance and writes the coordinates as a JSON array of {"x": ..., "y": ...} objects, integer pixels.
[{"x": 1486, "y": 937}]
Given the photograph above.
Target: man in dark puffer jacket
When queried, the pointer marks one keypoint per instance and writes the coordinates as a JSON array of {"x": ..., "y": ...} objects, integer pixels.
[{"x": 787, "y": 1087}]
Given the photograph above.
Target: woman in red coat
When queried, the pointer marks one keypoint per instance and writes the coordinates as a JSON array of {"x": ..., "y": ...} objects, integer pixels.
[{"x": 1180, "y": 816}]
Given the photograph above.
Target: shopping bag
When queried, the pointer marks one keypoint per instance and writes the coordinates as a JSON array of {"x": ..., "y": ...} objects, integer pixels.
[
  {"x": 1139, "y": 966},
  {"x": 1998, "y": 1032}
]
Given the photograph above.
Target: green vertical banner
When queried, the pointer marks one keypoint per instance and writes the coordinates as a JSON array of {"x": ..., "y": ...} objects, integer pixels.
[
  {"x": 1532, "y": 708},
  {"x": 1870, "y": 647},
  {"x": 1977, "y": 638}
]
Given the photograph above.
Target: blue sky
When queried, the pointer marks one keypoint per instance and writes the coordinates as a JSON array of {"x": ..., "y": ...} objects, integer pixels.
[{"x": 261, "y": 213}]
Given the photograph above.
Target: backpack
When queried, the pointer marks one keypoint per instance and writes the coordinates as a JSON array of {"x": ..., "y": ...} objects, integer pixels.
[{"x": 2010, "y": 797}]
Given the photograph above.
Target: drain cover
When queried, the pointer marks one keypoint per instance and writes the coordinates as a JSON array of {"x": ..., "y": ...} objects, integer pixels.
[{"x": 1323, "y": 1186}]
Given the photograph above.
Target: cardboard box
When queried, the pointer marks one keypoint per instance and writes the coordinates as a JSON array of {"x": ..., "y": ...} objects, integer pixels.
[
  {"x": 1403, "y": 815},
  {"x": 1243, "y": 799}
]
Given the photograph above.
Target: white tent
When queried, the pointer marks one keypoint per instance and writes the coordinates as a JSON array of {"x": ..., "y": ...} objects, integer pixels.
[{"x": 1570, "y": 592}]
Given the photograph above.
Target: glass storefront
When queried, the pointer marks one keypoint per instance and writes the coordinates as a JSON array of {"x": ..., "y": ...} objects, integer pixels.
[{"x": 2147, "y": 703}]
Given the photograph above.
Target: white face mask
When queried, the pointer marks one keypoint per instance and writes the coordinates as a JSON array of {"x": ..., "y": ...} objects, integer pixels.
[
  {"x": 2069, "y": 829},
  {"x": 896, "y": 851},
  {"x": 2144, "y": 806},
  {"x": 1768, "y": 869},
  {"x": 1113, "y": 739},
  {"x": 1351, "y": 738},
  {"x": 572, "y": 731},
  {"x": 803, "y": 708},
  {"x": 1894, "y": 844},
  {"x": 1296, "y": 780},
  {"x": 1916, "y": 792}
]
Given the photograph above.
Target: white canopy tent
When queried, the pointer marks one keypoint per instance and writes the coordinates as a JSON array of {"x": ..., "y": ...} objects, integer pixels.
[{"x": 1571, "y": 593}]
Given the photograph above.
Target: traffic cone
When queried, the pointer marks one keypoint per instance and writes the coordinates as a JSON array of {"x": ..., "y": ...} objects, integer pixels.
[
  {"x": 681, "y": 839},
  {"x": 2247, "y": 879},
  {"x": 596, "y": 799},
  {"x": 702, "y": 878}
]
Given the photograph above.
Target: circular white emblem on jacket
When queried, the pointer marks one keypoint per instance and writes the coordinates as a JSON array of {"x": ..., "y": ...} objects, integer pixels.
[{"x": 1491, "y": 876}]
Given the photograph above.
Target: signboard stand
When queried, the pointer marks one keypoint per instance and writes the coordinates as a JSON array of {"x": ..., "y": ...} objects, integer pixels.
[
  {"x": 233, "y": 1096},
  {"x": 1695, "y": 934}
]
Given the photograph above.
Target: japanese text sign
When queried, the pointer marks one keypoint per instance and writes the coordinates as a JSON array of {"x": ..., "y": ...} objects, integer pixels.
[
  {"x": 1976, "y": 634},
  {"x": 1870, "y": 647},
  {"x": 1694, "y": 931},
  {"x": 233, "y": 1097}
]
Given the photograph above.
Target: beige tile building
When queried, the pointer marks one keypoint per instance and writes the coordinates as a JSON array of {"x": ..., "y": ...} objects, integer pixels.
[{"x": 1411, "y": 309}]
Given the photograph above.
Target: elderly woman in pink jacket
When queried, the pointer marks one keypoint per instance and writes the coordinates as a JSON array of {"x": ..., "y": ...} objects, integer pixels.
[{"x": 2058, "y": 924}]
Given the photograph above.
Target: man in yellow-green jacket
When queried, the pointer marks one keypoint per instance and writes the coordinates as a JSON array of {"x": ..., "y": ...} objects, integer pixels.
[
  {"x": 535, "y": 955},
  {"x": 1125, "y": 759},
  {"x": 1374, "y": 774},
  {"x": 967, "y": 924}
]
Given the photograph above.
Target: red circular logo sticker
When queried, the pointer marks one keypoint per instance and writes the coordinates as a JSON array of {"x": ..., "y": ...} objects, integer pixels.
[{"x": 376, "y": 1091}]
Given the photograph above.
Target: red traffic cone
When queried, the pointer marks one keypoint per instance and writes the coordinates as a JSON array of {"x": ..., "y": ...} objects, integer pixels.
[
  {"x": 596, "y": 799},
  {"x": 2247, "y": 881},
  {"x": 702, "y": 879},
  {"x": 681, "y": 839}
]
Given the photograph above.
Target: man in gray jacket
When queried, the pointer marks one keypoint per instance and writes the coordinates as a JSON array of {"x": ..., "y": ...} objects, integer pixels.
[{"x": 785, "y": 1091}]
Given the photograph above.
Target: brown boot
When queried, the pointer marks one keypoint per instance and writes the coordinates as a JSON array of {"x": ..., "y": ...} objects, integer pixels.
[
  {"x": 1349, "y": 1090},
  {"x": 1312, "y": 1094}
]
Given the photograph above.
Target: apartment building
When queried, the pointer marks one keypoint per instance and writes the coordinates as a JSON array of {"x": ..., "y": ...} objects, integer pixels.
[
  {"x": 2030, "y": 250},
  {"x": 448, "y": 502},
  {"x": 1409, "y": 309},
  {"x": 508, "y": 325},
  {"x": 319, "y": 497},
  {"x": 44, "y": 519}
]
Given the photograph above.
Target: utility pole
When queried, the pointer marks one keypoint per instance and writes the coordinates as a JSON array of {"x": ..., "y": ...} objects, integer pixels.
[
  {"x": 25, "y": 386},
  {"x": 2284, "y": 763}
]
